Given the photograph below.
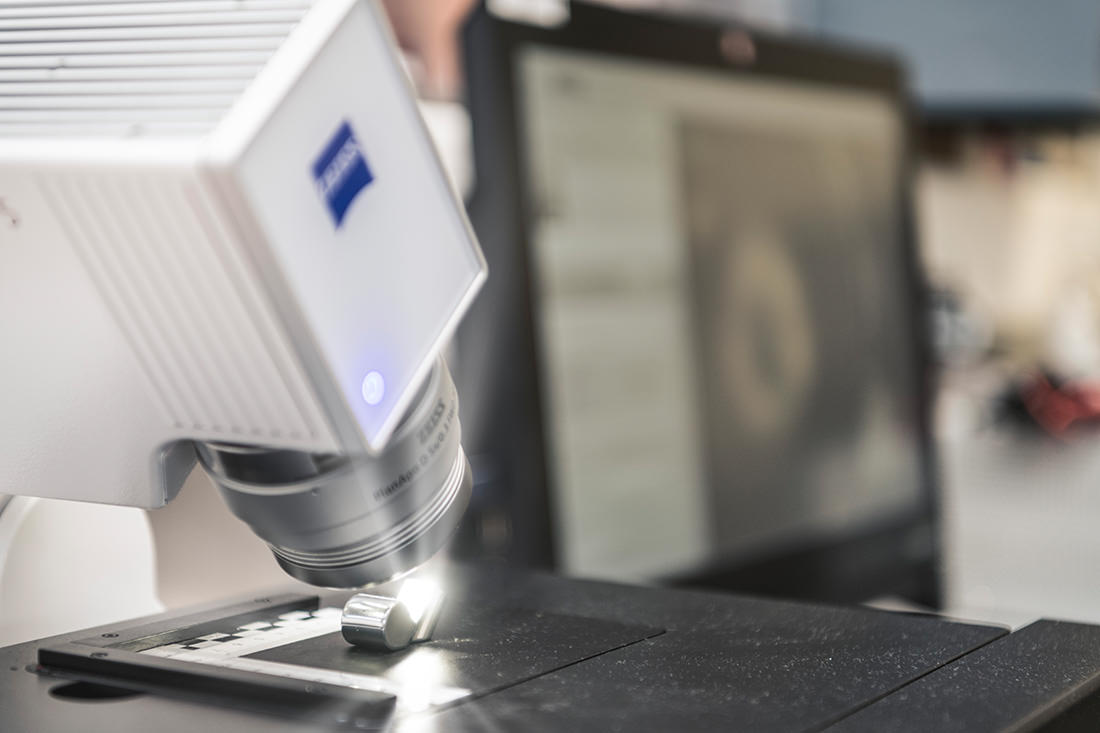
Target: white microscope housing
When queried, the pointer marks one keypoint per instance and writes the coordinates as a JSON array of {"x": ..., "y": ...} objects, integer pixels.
[{"x": 224, "y": 231}]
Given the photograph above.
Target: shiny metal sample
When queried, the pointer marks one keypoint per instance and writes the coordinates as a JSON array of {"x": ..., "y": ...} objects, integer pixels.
[
  {"x": 377, "y": 622},
  {"x": 388, "y": 624}
]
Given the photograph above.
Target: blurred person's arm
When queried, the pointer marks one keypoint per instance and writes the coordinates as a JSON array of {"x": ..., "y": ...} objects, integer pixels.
[{"x": 428, "y": 30}]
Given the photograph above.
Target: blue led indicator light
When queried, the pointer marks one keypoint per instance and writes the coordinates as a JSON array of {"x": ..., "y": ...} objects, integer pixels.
[{"x": 374, "y": 388}]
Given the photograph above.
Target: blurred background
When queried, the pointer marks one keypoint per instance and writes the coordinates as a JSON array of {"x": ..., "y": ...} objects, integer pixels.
[
  {"x": 813, "y": 312},
  {"x": 1004, "y": 188}
]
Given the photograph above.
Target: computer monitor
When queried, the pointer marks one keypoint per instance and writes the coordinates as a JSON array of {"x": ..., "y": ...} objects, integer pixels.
[{"x": 700, "y": 357}]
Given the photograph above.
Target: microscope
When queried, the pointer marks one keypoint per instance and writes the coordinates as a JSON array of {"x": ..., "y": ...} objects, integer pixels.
[{"x": 225, "y": 237}]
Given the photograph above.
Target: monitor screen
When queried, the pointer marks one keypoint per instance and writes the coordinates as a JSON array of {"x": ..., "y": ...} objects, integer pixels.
[{"x": 724, "y": 325}]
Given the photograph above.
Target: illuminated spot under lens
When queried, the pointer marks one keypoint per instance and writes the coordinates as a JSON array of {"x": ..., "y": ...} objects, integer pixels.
[
  {"x": 420, "y": 596},
  {"x": 374, "y": 388}
]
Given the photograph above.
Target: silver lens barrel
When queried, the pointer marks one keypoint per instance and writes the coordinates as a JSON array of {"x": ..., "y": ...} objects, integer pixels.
[{"x": 343, "y": 522}]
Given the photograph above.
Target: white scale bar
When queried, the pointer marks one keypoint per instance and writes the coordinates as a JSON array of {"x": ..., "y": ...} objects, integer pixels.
[{"x": 291, "y": 628}]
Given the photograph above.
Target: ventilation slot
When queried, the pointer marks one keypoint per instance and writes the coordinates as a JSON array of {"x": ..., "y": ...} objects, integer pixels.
[
  {"x": 126, "y": 69},
  {"x": 158, "y": 257}
]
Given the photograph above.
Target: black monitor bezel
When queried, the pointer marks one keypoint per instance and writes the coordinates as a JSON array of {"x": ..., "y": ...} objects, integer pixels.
[{"x": 500, "y": 344}]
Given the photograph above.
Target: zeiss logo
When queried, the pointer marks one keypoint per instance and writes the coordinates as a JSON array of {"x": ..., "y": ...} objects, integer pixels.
[{"x": 341, "y": 172}]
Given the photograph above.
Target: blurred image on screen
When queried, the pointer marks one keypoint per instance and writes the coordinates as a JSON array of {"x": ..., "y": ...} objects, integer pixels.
[{"x": 725, "y": 336}]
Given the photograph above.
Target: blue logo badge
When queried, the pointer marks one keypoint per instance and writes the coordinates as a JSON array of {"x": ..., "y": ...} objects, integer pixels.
[{"x": 341, "y": 172}]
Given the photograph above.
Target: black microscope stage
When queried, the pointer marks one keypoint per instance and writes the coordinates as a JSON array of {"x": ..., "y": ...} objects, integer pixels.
[{"x": 520, "y": 651}]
